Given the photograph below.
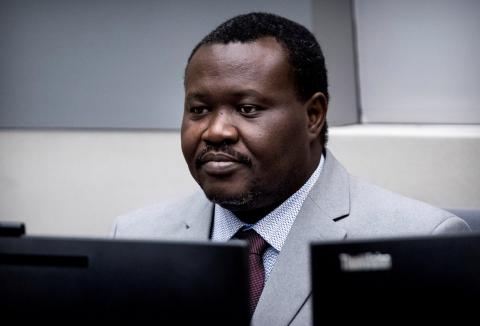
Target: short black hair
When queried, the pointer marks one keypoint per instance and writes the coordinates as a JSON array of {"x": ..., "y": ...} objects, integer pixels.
[{"x": 304, "y": 52}]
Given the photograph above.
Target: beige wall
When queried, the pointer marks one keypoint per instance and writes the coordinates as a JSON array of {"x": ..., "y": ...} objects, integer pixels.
[
  {"x": 76, "y": 182},
  {"x": 437, "y": 164}
]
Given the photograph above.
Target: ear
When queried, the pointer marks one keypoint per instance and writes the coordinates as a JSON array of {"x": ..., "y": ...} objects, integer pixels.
[{"x": 316, "y": 108}]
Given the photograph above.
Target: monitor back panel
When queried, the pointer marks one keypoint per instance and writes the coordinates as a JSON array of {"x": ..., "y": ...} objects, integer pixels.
[
  {"x": 432, "y": 278},
  {"x": 81, "y": 280}
]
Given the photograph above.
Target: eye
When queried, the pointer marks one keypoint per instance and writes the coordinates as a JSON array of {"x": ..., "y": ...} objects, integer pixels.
[
  {"x": 248, "y": 109},
  {"x": 198, "y": 110}
]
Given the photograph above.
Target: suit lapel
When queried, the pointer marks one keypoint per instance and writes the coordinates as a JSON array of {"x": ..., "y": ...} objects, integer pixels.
[
  {"x": 289, "y": 284},
  {"x": 198, "y": 218}
]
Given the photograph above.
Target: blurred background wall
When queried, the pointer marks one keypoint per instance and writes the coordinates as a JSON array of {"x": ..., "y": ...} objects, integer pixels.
[{"x": 91, "y": 100}]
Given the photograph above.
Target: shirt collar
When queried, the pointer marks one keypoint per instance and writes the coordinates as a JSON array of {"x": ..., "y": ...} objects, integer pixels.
[{"x": 275, "y": 226}]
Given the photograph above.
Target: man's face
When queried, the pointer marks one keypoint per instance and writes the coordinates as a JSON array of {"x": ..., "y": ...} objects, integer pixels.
[{"x": 244, "y": 131}]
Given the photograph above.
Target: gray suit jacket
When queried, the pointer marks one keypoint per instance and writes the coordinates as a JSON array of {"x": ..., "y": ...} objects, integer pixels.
[{"x": 339, "y": 206}]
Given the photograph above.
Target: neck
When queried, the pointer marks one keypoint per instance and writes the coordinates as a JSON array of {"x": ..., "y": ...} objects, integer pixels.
[{"x": 254, "y": 215}]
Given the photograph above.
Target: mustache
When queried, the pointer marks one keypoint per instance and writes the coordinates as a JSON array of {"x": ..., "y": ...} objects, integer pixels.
[{"x": 226, "y": 149}]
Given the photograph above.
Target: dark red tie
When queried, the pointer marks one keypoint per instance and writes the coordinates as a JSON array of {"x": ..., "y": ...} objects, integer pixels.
[{"x": 256, "y": 247}]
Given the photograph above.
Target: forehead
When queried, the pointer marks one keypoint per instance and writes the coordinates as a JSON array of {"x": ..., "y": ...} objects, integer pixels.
[{"x": 261, "y": 64}]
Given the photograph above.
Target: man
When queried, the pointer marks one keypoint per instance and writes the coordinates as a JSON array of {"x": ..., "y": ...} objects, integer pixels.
[{"x": 254, "y": 137}]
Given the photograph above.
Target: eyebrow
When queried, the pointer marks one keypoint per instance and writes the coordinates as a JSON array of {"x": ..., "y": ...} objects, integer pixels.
[
  {"x": 195, "y": 96},
  {"x": 238, "y": 94}
]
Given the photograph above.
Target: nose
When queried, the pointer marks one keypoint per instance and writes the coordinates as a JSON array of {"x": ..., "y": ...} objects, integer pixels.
[{"x": 220, "y": 129}]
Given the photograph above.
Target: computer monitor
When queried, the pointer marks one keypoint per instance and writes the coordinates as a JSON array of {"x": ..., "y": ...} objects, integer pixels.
[
  {"x": 431, "y": 278},
  {"x": 66, "y": 280}
]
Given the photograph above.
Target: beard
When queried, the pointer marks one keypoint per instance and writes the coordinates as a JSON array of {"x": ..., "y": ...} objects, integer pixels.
[
  {"x": 247, "y": 200},
  {"x": 241, "y": 202},
  {"x": 249, "y": 206}
]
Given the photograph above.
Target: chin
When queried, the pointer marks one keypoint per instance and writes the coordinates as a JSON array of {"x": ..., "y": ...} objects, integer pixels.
[
  {"x": 234, "y": 195},
  {"x": 233, "y": 202}
]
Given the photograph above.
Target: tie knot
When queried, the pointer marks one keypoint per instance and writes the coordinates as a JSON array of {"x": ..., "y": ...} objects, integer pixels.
[{"x": 256, "y": 244}]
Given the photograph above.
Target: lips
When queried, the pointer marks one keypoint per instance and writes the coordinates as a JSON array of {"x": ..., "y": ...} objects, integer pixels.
[{"x": 219, "y": 164}]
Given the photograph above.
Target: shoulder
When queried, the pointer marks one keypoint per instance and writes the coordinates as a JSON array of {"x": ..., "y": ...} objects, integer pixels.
[
  {"x": 383, "y": 212},
  {"x": 159, "y": 220}
]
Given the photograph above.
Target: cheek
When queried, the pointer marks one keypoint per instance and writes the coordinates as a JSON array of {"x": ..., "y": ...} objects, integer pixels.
[
  {"x": 278, "y": 139},
  {"x": 189, "y": 139}
]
